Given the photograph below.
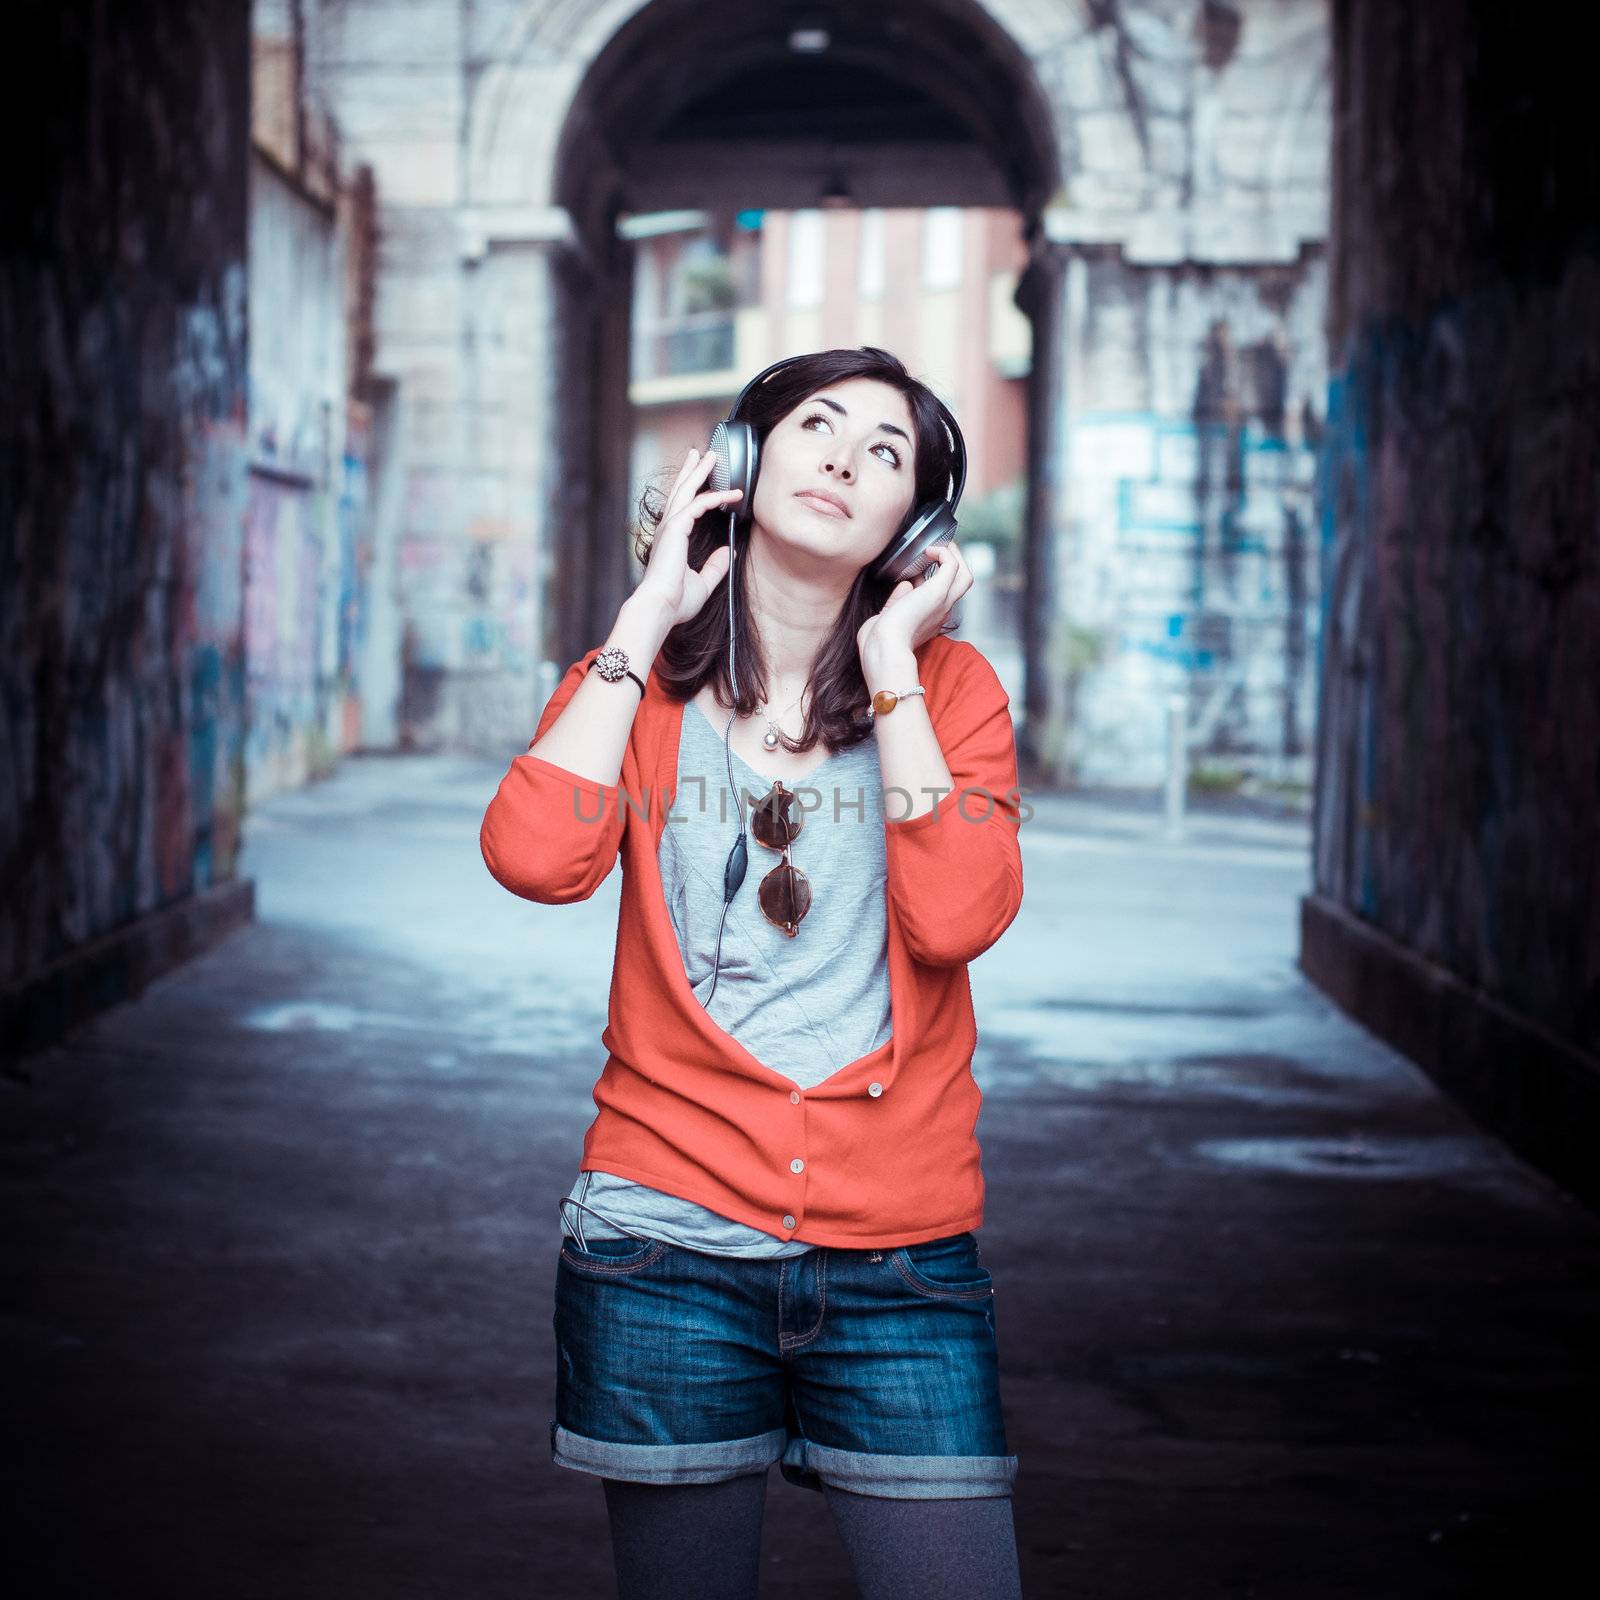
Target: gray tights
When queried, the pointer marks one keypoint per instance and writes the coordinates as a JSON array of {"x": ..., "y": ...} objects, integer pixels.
[{"x": 702, "y": 1541}]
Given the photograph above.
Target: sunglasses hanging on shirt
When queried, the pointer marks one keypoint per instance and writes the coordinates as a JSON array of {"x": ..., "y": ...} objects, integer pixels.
[{"x": 785, "y": 892}]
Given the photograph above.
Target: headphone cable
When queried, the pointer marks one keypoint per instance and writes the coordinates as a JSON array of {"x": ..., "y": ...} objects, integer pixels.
[{"x": 738, "y": 857}]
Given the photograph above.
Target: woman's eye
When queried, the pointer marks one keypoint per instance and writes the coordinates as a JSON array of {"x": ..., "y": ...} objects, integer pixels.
[{"x": 817, "y": 416}]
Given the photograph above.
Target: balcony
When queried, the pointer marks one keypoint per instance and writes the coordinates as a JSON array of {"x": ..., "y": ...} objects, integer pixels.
[
  {"x": 697, "y": 356},
  {"x": 702, "y": 341}
]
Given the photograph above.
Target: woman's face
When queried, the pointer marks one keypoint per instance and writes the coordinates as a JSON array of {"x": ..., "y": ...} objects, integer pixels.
[{"x": 852, "y": 441}]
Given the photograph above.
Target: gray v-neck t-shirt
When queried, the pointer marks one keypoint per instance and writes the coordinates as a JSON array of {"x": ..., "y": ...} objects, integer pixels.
[{"x": 805, "y": 1006}]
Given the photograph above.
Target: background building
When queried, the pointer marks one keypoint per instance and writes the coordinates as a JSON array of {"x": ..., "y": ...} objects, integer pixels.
[{"x": 1099, "y": 236}]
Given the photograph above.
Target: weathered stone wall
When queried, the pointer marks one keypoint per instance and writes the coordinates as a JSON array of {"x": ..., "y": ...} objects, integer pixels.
[
  {"x": 1458, "y": 802},
  {"x": 122, "y": 466},
  {"x": 1183, "y": 246},
  {"x": 309, "y": 595},
  {"x": 1192, "y": 376},
  {"x": 1188, "y": 556},
  {"x": 462, "y": 335}
]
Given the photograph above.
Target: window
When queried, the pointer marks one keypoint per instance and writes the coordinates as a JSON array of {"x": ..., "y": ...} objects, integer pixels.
[
  {"x": 870, "y": 281},
  {"x": 941, "y": 247},
  {"x": 805, "y": 258}
]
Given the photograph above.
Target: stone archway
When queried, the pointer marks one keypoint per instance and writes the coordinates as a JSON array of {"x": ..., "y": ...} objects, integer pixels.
[
  {"x": 1169, "y": 165},
  {"x": 708, "y": 107}
]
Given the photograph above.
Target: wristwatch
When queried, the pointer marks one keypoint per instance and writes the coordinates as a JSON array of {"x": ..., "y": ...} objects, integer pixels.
[
  {"x": 613, "y": 666},
  {"x": 885, "y": 700}
]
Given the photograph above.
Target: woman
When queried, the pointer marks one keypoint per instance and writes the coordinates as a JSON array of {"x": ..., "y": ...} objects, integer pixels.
[{"x": 772, "y": 1256}]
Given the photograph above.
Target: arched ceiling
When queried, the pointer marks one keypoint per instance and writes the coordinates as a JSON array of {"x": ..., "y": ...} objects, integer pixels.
[{"x": 705, "y": 104}]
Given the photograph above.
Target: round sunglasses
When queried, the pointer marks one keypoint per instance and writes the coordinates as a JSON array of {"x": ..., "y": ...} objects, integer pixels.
[{"x": 785, "y": 892}]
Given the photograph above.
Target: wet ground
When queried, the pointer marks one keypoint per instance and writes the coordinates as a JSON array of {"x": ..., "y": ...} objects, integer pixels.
[{"x": 1276, "y": 1320}]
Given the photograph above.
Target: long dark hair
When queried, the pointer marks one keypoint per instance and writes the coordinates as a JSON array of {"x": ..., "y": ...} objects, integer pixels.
[{"x": 696, "y": 652}]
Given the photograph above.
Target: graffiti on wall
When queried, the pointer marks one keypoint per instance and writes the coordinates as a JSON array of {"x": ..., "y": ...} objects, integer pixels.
[
  {"x": 282, "y": 556},
  {"x": 1460, "y": 713},
  {"x": 200, "y": 777},
  {"x": 1190, "y": 563}
]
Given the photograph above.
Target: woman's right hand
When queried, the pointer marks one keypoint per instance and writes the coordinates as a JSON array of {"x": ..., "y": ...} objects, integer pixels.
[{"x": 668, "y": 579}]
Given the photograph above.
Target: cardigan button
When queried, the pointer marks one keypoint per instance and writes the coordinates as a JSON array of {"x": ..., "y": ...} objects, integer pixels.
[
  {"x": 788, "y": 1222},
  {"x": 797, "y": 1165},
  {"x": 794, "y": 1096},
  {"x": 874, "y": 1089}
]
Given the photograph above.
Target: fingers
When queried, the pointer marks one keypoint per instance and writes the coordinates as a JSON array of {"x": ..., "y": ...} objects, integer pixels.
[
  {"x": 953, "y": 571},
  {"x": 959, "y": 578},
  {"x": 695, "y": 461},
  {"x": 695, "y": 469},
  {"x": 961, "y": 581},
  {"x": 966, "y": 574},
  {"x": 715, "y": 567},
  {"x": 713, "y": 497},
  {"x": 693, "y": 509}
]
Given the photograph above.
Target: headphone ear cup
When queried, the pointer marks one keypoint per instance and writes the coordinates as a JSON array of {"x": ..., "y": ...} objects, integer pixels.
[
  {"x": 932, "y": 524},
  {"x": 737, "y": 453}
]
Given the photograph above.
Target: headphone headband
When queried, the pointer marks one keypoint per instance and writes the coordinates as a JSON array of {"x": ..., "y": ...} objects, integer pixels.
[{"x": 952, "y": 427}]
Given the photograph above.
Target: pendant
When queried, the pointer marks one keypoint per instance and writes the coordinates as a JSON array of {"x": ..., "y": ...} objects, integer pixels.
[{"x": 770, "y": 739}]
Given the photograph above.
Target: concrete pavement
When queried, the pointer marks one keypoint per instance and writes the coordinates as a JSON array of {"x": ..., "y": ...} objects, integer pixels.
[{"x": 1276, "y": 1320}]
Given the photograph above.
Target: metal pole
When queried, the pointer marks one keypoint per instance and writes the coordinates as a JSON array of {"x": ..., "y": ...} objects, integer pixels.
[{"x": 1177, "y": 763}]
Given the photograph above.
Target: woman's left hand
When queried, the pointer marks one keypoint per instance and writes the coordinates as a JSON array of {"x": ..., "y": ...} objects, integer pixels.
[{"x": 915, "y": 612}]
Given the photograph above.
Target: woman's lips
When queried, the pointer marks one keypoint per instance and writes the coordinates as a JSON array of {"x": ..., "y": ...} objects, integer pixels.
[{"x": 826, "y": 507}]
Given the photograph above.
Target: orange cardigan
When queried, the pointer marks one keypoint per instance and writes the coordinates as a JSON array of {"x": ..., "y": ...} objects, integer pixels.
[{"x": 884, "y": 1151}]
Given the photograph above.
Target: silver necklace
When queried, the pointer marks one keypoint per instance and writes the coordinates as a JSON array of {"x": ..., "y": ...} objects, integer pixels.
[{"x": 770, "y": 738}]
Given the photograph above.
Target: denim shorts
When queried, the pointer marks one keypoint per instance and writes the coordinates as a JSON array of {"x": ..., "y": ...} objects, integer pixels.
[{"x": 870, "y": 1370}]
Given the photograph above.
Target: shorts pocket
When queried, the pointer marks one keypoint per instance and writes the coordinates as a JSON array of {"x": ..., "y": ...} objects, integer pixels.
[
  {"x": 947, "y": 1268},
  {"x": 612, "y": 1257}
]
